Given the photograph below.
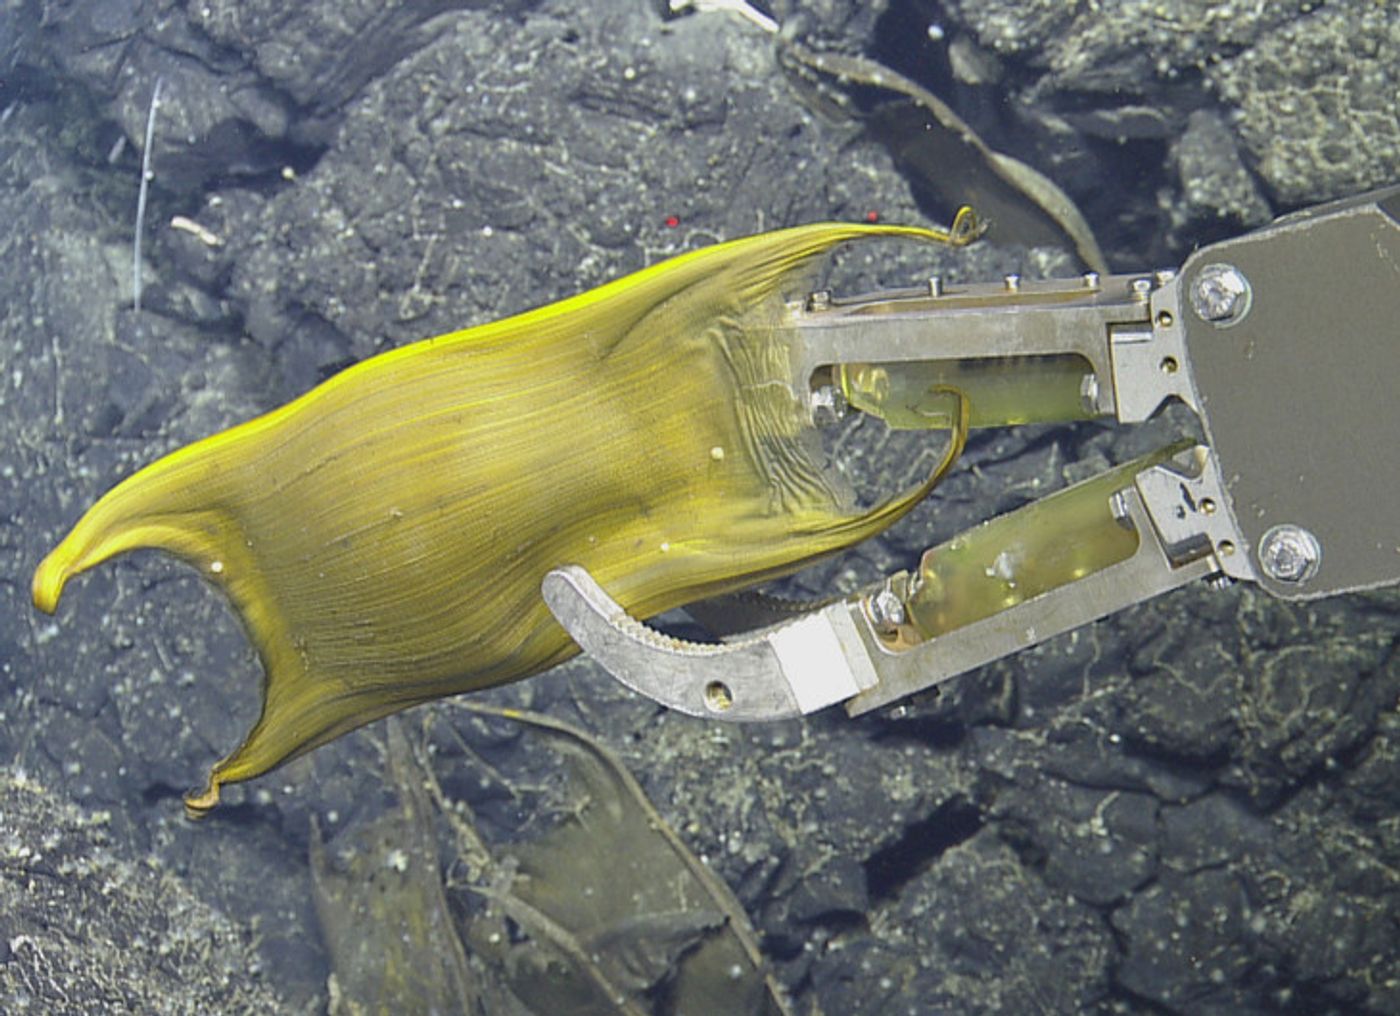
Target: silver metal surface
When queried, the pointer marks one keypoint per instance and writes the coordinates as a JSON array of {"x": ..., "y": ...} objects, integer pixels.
[
  {"x": 1184, "y": 497},
  {"x": 834, "y": 654},
  {"x": 1150, "y": 360},
  {"x": 1118, "y": 505},
  {"x": 1123, "y": 326},
  {"x": 962, "y": 322},
  {"x": 786, "y": 671},
  {"x": 1220, "y": 294},
  {"x": 1298, "y": 397}
]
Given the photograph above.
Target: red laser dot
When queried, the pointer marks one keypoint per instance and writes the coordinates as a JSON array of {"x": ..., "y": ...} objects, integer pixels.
[
  {"x": 672, "y": 221},
  {"x": 872, "y": 216}
]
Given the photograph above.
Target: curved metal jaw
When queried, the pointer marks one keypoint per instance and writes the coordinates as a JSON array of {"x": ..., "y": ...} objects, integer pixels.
[{"x": 785, "y": 671}]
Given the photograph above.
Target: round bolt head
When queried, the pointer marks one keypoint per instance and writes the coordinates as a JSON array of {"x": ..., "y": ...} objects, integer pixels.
[
  {"x": 1289, "y": 554},
  {"x": 1220, "y": 294},
  {"x": 886, "y": 609}
]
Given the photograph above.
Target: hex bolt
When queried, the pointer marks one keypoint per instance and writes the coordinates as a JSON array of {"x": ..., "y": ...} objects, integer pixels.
[
  {"x": 886, "y": 609},
  {"x": 1289, "y": 554},
  {"x": 1220, "y": 294}
]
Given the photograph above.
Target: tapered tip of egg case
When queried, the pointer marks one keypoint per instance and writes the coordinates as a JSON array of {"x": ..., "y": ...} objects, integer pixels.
[
  {"x": 49, "y": 580},
  {"x": 198, "y": 806}
]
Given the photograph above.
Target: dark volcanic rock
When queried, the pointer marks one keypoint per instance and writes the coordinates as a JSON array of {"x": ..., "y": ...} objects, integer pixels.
[{"x": 88, "y": 928}]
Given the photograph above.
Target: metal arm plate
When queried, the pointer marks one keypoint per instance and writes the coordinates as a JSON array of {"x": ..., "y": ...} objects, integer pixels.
[
  {"x": 834, "y": 654},
  {"x": 1152, "y": 569},
  {"x": 1297, "y": 378},
  {"x": 1102, "y": 320}
]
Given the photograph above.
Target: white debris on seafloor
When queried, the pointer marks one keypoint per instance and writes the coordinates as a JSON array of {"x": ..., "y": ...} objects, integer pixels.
[
  {"x": 740, "y": 7},
  {"x": 203, "y": 233}
]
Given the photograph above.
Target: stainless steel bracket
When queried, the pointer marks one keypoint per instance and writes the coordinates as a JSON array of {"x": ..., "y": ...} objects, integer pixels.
[
  {"x": 1149, "y": 572},
  {"x": 835, "y": 654},
  {"x": 1106, "y": 321}
]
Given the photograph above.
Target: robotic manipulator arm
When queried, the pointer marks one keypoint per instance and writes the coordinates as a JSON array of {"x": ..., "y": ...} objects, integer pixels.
[{"x": 1285, "y": 342}]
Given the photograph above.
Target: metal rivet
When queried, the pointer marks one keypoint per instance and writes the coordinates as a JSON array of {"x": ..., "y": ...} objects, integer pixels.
[
  {"x": 935, "y": 285},
  {"x": 1091, "y": 280},
  {"x": 1012, "y": 282},
  {"x": 1141, "y": 289},
  {"x": 1289, "y": 554},
  {"x": 1220, "y": 294},
  {"x": 820, "y": 300}
]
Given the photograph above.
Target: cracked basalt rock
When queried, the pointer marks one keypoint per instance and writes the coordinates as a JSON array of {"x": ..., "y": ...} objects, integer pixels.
[
  {"x": 1308, "y": 93},
  {"x": 1318, "y": 101},
  {"x": 539, "y": 146},
  {"x": 88, "y": 928},
  {"x": 1219, "y": 195}
]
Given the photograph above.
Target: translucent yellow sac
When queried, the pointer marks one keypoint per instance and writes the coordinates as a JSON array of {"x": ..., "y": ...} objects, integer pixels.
[{"x": 384, "y": 536}]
